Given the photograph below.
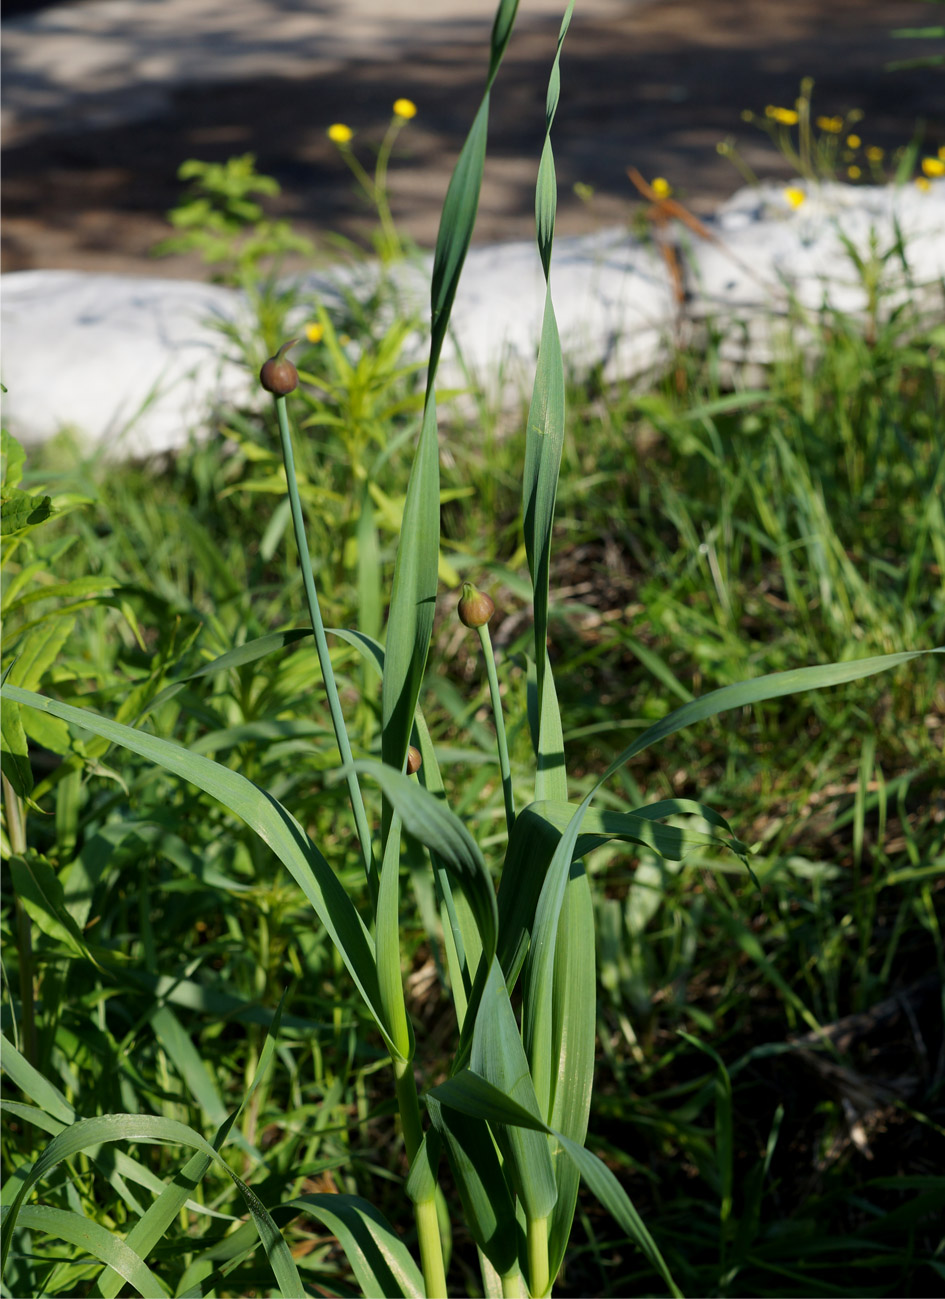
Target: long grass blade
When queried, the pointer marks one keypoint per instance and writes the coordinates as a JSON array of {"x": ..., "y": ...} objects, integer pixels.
[
  {"x": 274, "y": 824},
  {"x": 151, "y": 1128},
  {"x": 771, "y": 686},
  {"x": 379, "y": 1259},
  {"x": 544, "y": 440},
  {"x": 175, "y": 1195},
  {"x": 472, "y": 1094},
  {"x": 92, "y": 1238},
  {"x": 430, "y": 821},
  {"x": 573, "y": 1046},
  {"x": 498, "y": 1056},
  {"x": 483, "y": 1190},
  {"x": 460, "y": 931},
  {"x": 413, "y": 595},
  {"x": 539, "y": 968}
]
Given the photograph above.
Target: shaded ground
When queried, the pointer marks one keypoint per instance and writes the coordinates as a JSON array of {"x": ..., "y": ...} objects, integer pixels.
[{"x": 657, "y": 86}]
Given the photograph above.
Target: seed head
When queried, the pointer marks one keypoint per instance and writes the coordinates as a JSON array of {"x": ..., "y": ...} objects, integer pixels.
[
  {"x": 279, "y": 376},
  {"x": 475, "y": 608}
]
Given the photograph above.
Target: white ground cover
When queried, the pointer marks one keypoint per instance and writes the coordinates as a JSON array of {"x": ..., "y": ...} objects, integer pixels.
[{"x": 134, "y": 365}]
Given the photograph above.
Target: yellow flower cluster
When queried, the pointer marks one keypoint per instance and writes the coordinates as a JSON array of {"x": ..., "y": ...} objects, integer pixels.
[
  {"x": 786, "y": 116},
  {"x": 661, "y": 187},
  {"x": 315, "y": 332},
  {"x": 934, "y": 167},
  {"x": 832, "y": 125},
  {"x": 341, "y": 134},
  {"x": 794, "y": 197}
]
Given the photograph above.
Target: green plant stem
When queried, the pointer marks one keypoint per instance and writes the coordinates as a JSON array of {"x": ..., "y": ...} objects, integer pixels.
[
  {"x": 16, "y": 831},
  {"x": 428, "y": 1227},
  {"x": 392, "y": 239},
  {"x": 409, "y": 1105},
  {"x": 512, "y": 1285},
  {"x": 538, "y": 1278},
  {"x": 485, "y": 640},
  {"x": 431, "y": 1249},
  {"x": 321, "y": 645},
  {"x": 376, "y": 189}
]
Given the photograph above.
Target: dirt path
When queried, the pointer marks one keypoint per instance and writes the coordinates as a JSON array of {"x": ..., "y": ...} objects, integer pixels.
[{"x": 89, "y": 175}]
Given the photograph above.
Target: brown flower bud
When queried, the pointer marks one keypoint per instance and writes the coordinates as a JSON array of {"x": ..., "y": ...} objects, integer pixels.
[
  {"x": 279, "y": 376},
  {"x": 414, "y": 761},
  {"x": 475, "y": 607}
]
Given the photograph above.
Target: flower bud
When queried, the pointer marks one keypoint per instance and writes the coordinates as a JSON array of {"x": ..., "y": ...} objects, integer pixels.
[
  {"x": 475, "y": 608},
  {"x": 279, "y": 376},
  {"x": 414, "y": 761}
]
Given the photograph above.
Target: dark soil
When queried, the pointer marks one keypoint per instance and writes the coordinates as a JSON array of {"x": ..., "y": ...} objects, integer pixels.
[{"x": 656, "y": 88}]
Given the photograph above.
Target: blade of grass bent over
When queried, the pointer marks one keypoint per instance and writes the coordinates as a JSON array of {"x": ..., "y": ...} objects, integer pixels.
[
  {"x": 153, "y": 1224},
  {"x": 88, "y": 1133},
  {"x": 378, "y": 1257},
  {"x": 90, "y": 1237},
  {"x": 274, "y": 824}
]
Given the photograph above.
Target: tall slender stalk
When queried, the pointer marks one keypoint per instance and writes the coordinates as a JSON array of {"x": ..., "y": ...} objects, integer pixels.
[
  {"x": 485, "y": 640},
  {"x": 321, "y": 645},
  {"x": 475, "y": 608},
  {"x": 428, "y": 1226},
  {"x": 537, "y": 1238}
]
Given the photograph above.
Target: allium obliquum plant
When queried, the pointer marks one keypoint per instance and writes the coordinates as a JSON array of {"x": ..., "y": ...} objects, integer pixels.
[{"x": 508, "y": 1124}]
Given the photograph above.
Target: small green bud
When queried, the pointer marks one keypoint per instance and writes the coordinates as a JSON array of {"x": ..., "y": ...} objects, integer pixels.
[
  {"x": 279, "y": 376},
  {"x": 414, "y": 761},
  {"x": 475, "y": 607}
]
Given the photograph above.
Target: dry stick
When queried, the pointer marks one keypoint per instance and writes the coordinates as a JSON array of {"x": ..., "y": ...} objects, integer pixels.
[{"x": 664, "y": 210}]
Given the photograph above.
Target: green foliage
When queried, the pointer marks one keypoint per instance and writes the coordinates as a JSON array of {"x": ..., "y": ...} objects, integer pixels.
[{"x": 219, "y": 219}]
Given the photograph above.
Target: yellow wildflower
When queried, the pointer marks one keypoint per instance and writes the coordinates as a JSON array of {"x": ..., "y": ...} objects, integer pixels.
[
  {"x": 834, "y": 125},
  {"x": 854, "y": 173},
  {"x": 794, "y": 196},
  {"x": 786, "y": 116},
  {"x": 405, "y": 108},
  {"x": 338, "y": 133},
  {"x": 854, "y": 141},
  {"x": 923, "y": 184},
  {"x": 661, "y": 187},
  {"x": 941, "y": 153},
  {"x": 315, "y": 332},
  {"x": 933, "y": 166},
  {"x": 874, "y": 153}
]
